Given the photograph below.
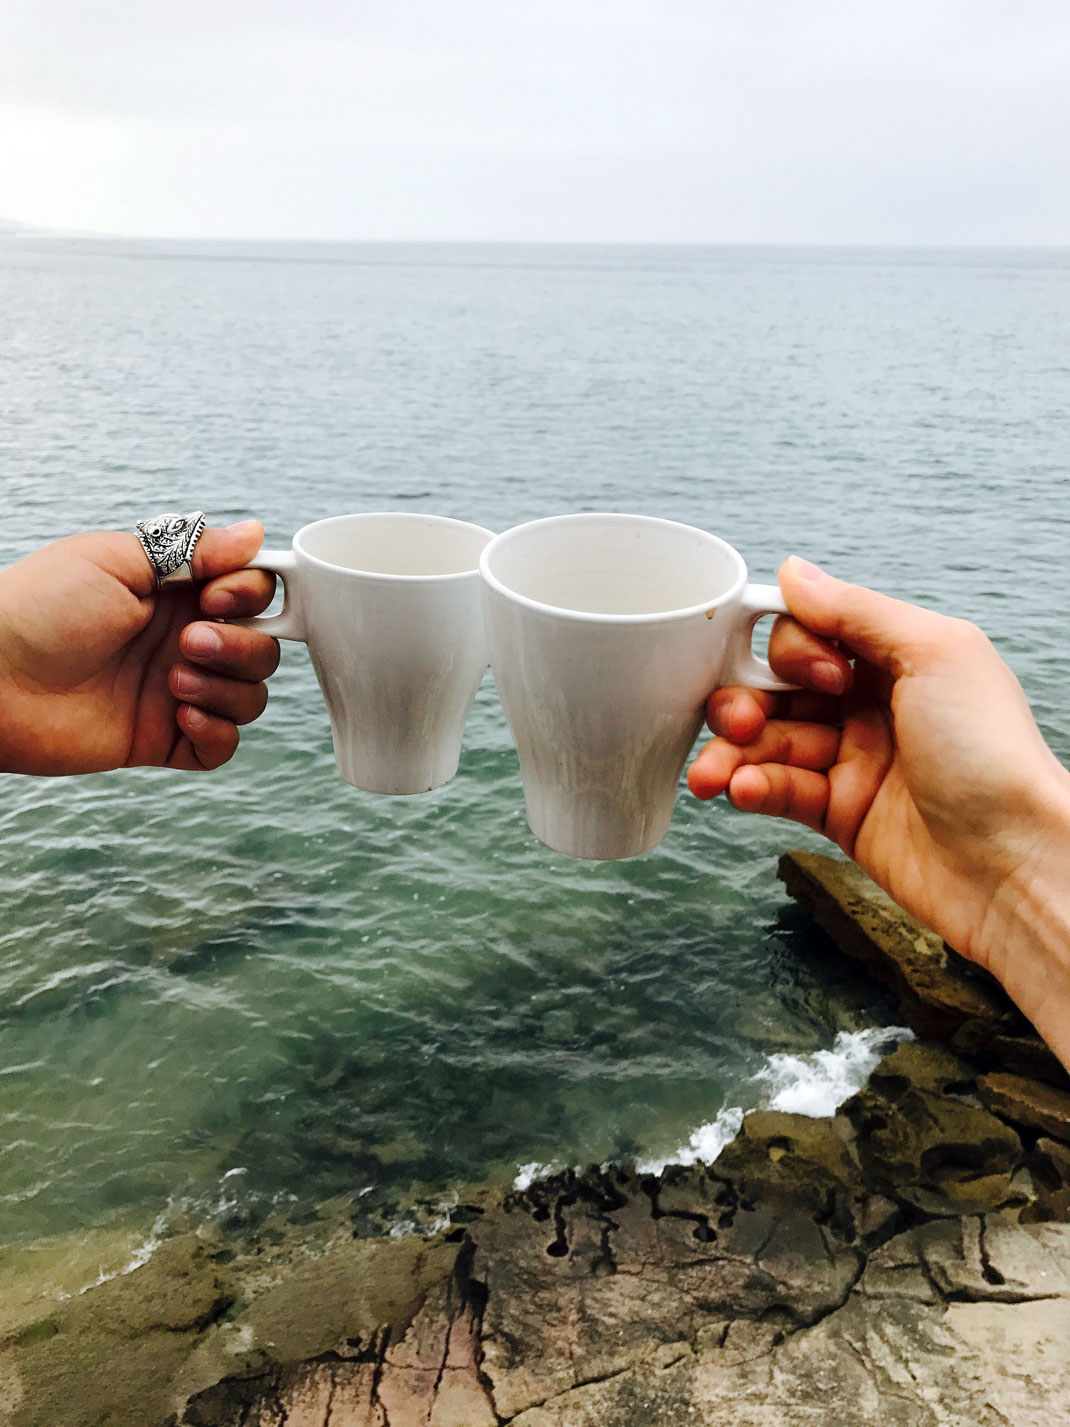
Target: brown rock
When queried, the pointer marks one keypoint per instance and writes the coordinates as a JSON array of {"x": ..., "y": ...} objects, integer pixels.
[
  {"x": 845, "y": 1270},
  {"x": 939, "y": 991},
  {"x": 1049, "y": 1166},
  {"x": 1027, "y": 1102},
  {"x": 906, "y": 1357},
  {"x": 586, "y": 1274},
  {"x": 772, "y": 1288},
  {"x": 989, "y": 1257},
  {"x": 922, "y": 1066},
  {"x": 921, "y": 1140},
  {"x": 1023, "y": 1055}
]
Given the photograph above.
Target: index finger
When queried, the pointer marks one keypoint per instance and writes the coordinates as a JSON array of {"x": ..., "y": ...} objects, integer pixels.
[
  {"x": 242, "y": 592},
  {"x": 802, "y": 657}
]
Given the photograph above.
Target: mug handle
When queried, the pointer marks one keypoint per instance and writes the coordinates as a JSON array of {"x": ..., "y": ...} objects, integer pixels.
[
  {"x": 743, "y": 665},
  {"x": 285, "y": 624}
]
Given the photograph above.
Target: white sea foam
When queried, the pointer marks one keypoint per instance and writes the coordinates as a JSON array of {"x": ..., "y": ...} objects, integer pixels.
[
  {"x": 815, "y": 1084},
  {"x": 819, "y": 1083},
  {"x": 705, "y": 1144},
  {"x": 138, "y": 1258},
  {"x": 527, "y": 1174},
  {"x": 426, "y": 1224}
]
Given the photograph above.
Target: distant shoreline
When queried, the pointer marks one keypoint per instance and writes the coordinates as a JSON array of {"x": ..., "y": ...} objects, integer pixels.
[{"x": 11, "y": 228}]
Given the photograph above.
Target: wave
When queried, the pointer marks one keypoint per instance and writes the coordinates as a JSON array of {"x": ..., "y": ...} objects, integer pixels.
[
  {"x": 705, "y": 1144},
  {"x": 816, "y": 1085}
]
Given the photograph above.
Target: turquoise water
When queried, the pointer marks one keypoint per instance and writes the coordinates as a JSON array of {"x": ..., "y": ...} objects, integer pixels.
[{"x": 283, "y": 991}]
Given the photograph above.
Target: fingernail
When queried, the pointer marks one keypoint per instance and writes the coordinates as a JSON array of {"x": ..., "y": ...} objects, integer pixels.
[
  {"x": 827, "y": 676},
  {"x": 203, "y": 639},
  {"x": 807, "y": 571},
  {"x": 243, "y": 527},
  {"x": 189, "y": 683},
  {"x": 196, "y": 718}
]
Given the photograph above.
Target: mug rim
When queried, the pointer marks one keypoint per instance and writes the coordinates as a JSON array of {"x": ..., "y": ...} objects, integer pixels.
[
  {"x": 706, "y": 607},
  {"x": 298, "y": 546}
]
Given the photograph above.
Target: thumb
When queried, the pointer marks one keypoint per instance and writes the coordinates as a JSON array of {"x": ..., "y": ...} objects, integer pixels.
[
  {"x": 219, "y": 551},
  {"x": 120, "y": 554},
  {"x": 889, "y": 633}
]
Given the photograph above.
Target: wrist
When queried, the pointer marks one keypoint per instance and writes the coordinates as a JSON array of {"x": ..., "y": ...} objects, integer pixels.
[
  {"x": 1025, "y": 937},
  {"x": 6, "y": 690}
]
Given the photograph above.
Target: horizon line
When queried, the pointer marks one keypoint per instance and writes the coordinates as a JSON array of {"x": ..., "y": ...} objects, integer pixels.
[{"x": 18, "y": 229}]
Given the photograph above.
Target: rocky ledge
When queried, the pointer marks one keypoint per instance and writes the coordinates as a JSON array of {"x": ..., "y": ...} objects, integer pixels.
[{"x": 905, "y": 1262}]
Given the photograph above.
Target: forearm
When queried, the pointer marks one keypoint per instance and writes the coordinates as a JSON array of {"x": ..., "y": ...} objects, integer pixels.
[
  {"x": 7, "y": 689},
  {"x": 1027, "y": 931}
]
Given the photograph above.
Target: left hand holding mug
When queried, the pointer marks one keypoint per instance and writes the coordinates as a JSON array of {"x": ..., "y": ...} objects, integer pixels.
[{"x": 100, "y": 670}]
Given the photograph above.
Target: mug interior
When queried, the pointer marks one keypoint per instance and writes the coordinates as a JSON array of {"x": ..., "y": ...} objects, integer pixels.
[
  {"x": 623, "y": 565},
  {"x": 395, "y": 544}
]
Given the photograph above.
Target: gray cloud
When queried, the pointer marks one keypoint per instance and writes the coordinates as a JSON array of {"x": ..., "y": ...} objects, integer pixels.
[{"x": 690, "y": 120}]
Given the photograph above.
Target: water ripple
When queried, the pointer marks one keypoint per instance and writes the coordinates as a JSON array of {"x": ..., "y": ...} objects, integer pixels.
[{"x": 347, "y": 996}]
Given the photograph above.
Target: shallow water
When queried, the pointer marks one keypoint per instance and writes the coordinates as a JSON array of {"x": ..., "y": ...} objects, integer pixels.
[{"x": 284, "y": 990}]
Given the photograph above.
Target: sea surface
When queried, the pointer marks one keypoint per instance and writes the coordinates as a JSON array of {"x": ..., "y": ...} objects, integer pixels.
[{"x": 262, "y": 991}]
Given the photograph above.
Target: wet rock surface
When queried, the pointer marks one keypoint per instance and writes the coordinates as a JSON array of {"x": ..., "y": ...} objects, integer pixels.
[{"x": 905, "y": 1263}]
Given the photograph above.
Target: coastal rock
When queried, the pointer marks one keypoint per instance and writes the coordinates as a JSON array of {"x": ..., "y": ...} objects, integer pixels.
[
  {"x": 1025, "y": 1102},
  {"x": 939, "y": 990},
  {"x": 586, "y": 1274},
  {"x": 988, "y": 1258},
  {"x": 1049, "y": 1167},
  {"x": 905, "y": 1263},
  {"x": 880, "y": 1359},
  {"x": 99, "y": 1356},
  {"x": 818, "y": 1266},
  {"x": 991, "y": 1298},
  {"x": 1021, "y": 1054},
  {"x": 923, "y": 1139}
]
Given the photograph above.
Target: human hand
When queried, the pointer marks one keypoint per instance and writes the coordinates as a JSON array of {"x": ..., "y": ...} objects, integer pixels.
[
  {"x": 922, "y": 762},
  {"x": 99, "y": 670}
]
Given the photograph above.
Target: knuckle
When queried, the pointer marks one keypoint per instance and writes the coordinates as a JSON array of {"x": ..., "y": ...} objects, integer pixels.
[
  {"x": 964, "y": 636},
  {"x": 227, "y": 742},
  {"x": 973, "y": 635},
  {"x": 239, "y": 702},
  {"x": 256, "y": 703},
  {"x": 223, "y": 755}
]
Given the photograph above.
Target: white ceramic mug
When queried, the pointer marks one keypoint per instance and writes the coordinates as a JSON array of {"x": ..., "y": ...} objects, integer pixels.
[
  {"x": 607, "y": 635},
  {"x": 390, "y": 608}
]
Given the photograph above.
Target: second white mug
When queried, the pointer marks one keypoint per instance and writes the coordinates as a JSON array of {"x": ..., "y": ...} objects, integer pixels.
[
  {"x": 389, "y": 605},
  {"x": 607, "y": 635}
]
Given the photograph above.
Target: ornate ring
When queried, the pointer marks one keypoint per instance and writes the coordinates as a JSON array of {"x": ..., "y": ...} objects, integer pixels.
[{"x": 169, "y": 540}]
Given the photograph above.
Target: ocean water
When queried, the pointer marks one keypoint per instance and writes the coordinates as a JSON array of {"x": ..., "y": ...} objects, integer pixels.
[{"x": 263, "y": 990}]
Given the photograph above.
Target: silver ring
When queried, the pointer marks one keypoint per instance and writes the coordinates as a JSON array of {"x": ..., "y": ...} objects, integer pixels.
[{"x": 169, "y": 541}]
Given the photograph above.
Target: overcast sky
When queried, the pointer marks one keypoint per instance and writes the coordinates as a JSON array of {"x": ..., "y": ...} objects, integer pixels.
[{"x": 898, "y": 121}]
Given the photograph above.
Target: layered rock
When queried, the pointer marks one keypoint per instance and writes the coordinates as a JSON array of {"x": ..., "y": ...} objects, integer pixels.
[{"x": 938, "y": 990}]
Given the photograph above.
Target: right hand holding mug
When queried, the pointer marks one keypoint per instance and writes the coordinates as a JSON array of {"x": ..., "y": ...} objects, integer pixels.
[{"x": 924, "y": 764}]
